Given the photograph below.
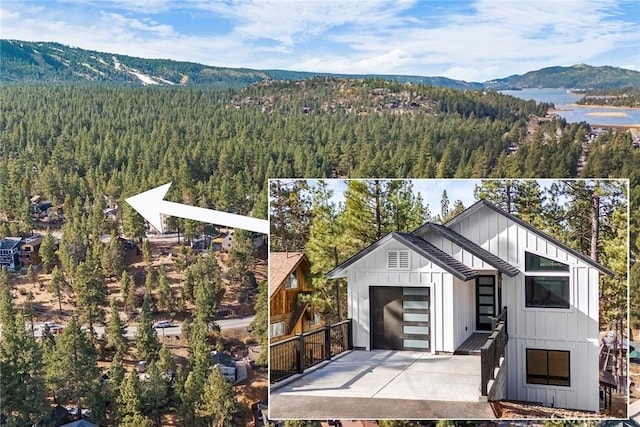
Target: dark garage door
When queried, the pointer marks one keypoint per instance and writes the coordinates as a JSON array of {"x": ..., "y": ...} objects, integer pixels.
[{"x": 399, "y": 318}]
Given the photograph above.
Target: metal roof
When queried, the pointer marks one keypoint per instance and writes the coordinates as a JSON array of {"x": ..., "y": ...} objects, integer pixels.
[
  {"x": 473, "y": 248},
  {"x": 418, "y": 245}
]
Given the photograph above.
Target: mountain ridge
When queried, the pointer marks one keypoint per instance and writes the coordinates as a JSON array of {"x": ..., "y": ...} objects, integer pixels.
[{"x": 50, "y": 62}]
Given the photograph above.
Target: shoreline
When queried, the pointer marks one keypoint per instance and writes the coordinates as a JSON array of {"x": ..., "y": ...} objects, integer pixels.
[
  {"x": 603, "y": 107},
  {"x": 633, "y": 126}
]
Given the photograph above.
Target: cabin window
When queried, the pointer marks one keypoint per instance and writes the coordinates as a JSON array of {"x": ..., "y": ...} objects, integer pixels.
[
  {"x": 547, "y": 291},
  {"x": 277, "y": 329},
  {"x": 316, "y": 319},
  {"x": 398, "y": 260},
  {"x": 549, "y": 367},
  {"x": 533, "y": 262},
  {"x": 291, "y": 282}
]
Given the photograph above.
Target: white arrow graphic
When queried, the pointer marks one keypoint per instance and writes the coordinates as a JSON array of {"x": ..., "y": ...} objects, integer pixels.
[{"x": 151, "y": 205}]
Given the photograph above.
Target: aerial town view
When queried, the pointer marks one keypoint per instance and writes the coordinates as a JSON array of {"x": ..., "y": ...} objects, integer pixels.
[{"x": 308, "y": 213}]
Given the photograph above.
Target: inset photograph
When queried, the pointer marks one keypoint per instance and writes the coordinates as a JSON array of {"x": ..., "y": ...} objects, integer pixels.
[{"x": 448, "y": 299}]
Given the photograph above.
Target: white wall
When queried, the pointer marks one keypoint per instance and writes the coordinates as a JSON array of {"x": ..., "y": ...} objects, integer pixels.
[
  {"x": 574, "y": 329},
  {"x": 371, "y": 270},
  {"x": 464, "y": 314}
]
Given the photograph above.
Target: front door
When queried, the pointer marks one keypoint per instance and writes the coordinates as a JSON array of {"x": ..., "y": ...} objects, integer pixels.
[
  {"x": 386, "y": 318},
  {"x": 485, "y": 302}
]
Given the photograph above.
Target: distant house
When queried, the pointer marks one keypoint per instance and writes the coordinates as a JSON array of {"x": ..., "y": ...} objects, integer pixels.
[
  {"x": 29, "y": 253},
  {"x": 9, "y": 253},
  {"x": 257, "y": 239},
  {"x": 289, "y": 278},
  {"x": 111, "y": 213},
  {"x": 226, "y": 364}
]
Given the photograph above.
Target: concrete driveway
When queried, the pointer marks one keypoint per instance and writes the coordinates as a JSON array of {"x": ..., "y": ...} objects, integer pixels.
[{"x": 387, "y": 382}]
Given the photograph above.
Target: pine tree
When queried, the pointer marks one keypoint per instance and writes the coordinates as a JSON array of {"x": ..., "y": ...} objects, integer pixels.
[
  {"x": 48, "y": 251},
  {"x": 71, "y": 368},
  {"x": 166, "y": 362},
  {"x": 91, "y": 294},
  {"x": 240, "y": 260},
  {"x": 58, "y": 285},
  {"x": 116, "y": 331},
  {"x": 129, "y": 401},
  {"x": 190, "y": 394},
  {"x": 289, "y": 215},
  {"x": 165, "y": 295},
  {"x": 22, "y": 397},
  {"x": 133, "y": 224},
  {"x": 146, "y": 251},
  {"x": 217, "y": 405},
  {"x": 113, "y": 257},
  {"x": 32, "y": 275},
  {"x": 125, "y": 283},
  {"x": 323, "y": 249},
  {"x": 155, "y": 394},
  {"x": 147, "y": 343},
  {"x": 116, "y": 379},
  {"x": 260, "y": 323}
]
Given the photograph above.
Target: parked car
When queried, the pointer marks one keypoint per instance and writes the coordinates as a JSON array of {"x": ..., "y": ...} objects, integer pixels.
[
  {"x": 163, "y": 324},
  {"x": 54, "y": 328}
]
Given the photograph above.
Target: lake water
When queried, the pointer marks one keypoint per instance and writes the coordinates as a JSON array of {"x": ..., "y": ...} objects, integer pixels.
[{"x": 563, "y": 100}]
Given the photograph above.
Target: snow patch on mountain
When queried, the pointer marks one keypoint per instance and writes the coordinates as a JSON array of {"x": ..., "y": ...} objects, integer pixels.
[
  {"x": 93, "y": 69},
  {"x": 143, "y": 77}
]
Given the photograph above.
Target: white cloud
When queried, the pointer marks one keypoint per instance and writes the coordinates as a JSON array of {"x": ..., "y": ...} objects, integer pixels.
[{"x": 486, "y": 39}]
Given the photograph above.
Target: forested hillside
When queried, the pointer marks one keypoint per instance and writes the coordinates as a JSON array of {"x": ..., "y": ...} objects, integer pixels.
[
  {"x": 47, "y": 62},
  {"x": 580, "y": 76}
]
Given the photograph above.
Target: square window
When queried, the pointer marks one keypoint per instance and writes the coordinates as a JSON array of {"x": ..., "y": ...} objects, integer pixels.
[
  {"x": 547, "y": 291},
  {"x": 276, "y": 329},
  {"x": 550, "y": 367}
]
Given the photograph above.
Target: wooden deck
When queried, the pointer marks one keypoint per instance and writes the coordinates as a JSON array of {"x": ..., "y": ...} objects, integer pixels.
[{"x": 473, "y": 344}]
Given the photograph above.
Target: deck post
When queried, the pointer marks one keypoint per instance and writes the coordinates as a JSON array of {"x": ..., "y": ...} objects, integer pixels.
[
  {"x": 327, "y": 342},
  {"x": 300, "y": 354}
]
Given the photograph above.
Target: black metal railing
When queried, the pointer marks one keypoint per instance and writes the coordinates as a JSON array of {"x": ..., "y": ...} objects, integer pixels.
[
  {"x": 493, "y": 350},
  {"x": 293, "y": 355}
]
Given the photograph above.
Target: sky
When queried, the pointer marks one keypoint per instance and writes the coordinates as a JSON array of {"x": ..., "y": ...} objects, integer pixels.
[
  {"x": 430, "y": 190},
  {"x": 472, "y": 40}
]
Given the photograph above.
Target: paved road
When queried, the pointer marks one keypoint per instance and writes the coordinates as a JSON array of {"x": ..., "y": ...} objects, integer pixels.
[{"x": 239, "y": 322}]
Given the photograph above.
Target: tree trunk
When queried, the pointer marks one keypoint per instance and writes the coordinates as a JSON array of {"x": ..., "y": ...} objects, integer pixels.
[
  {"x": 378, "y": 210},
  {"x": 595, "y": 221}
]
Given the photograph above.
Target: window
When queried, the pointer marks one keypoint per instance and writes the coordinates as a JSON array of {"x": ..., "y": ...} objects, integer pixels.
[
  {"x": 533, "y": 262},
  {"x": 316, "y": 319},
  {"x": 547, "y": 291},
  {"x": 277, "y": 329},
  {"x": 398, "y": 260},
  {"x": 549, "y": 367},
  {"x": 291, "y": 282}
]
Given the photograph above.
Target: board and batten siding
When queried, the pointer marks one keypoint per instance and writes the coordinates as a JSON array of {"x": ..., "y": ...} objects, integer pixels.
[
  {"x": 574, "y": 329},
  {"x": 463, "y": 311},
  {"x": 371, "y": 270}
]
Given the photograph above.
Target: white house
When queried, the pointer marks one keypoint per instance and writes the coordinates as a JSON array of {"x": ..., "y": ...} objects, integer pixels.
[
  {"x": 257, "y": 239},
  {"x": 440, "y": 287}
]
